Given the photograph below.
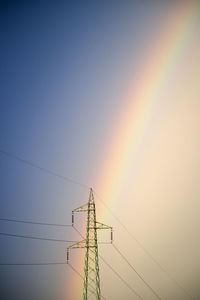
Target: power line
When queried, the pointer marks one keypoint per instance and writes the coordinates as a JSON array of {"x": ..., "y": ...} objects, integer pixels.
[
  {"x": 45, "y": 264},
  {"x": 78, "y": 232},
  {"x": 113, "y": 270},
  {"x": 157, "y": 296},
  {"x": 42, "y": 238},
  {"x": 75, "y": 270},
  {"x": 35, "y": 238},
  {"x": 48, "y": 171},
  {"x": 33, "y": 264},
  {"x": 145, "y": 250},
  {"x": 32, "y": 222},
  {"x": 121, "y": 278}
]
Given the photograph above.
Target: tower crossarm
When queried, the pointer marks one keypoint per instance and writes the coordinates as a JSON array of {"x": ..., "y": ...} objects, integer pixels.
[
  {"x": 81, "y": 208},
  {"x": 81, "y": 244},
  {"x": 102, "y": 226}
]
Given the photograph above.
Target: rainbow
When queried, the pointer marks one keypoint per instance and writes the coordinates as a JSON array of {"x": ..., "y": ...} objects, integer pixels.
[
  {"x": 144, "y": 97},
  {"x": 142, "y": 101}
]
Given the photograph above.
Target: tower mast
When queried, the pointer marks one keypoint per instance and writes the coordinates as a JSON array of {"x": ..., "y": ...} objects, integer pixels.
[{"x": 91, "y": 282}]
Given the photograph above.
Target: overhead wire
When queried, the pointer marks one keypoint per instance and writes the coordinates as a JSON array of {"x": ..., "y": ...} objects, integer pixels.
[
  {"x": 48, "y": 171},
  {"x": 145, "y": 250},
  {"x": 35, "y": 238},
  {"x": 41, "y": 238},
  {"x": 58, "y": 240},
  {"x": 35, "y": 223},
  {"x": 113, "y": 270},
  {"x": 48, "y": 264},
  {"x": 133, "y": 268},
  {"x": 121, "y": 278},
  {"x": 33, "y": 264}
]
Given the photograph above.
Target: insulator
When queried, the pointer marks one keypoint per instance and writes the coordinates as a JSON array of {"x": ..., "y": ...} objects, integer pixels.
[
  {"x": 111, "y": 235},
  {"x": 67, "y": 255},
  {"x": 72, "y": 218}
]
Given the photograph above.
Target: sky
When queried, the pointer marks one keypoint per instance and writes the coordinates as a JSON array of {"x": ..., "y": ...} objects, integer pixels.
[{"x": 105, "y": 93}]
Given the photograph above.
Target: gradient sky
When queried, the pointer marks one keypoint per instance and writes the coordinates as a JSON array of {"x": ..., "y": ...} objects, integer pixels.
[{"x": 108, "y": 94}]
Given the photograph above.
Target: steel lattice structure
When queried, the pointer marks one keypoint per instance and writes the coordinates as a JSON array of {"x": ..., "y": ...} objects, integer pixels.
[{"x": 91, "y": 282}]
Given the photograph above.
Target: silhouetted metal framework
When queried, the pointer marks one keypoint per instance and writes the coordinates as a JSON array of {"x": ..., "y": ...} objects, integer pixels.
[{"x": 91, "y": 282}]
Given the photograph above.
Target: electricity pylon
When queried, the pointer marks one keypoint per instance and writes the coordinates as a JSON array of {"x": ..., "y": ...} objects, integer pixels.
[{"x": 91, "y": 282}]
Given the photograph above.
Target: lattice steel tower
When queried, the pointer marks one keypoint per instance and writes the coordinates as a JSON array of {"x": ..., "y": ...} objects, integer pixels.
[{"x": 91, "y": 282}]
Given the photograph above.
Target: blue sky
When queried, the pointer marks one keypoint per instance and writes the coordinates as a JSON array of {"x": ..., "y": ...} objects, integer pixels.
[{"x": 60, "y": 79}]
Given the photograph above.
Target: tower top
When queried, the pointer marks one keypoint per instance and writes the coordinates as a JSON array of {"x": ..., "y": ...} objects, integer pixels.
[{"x": 91, "y": 196}]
